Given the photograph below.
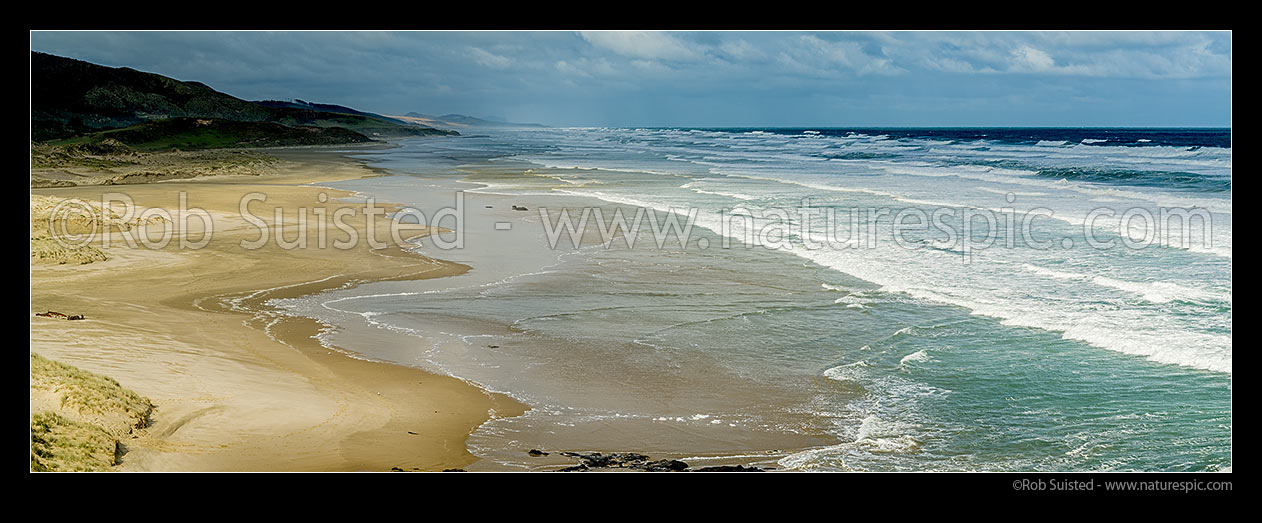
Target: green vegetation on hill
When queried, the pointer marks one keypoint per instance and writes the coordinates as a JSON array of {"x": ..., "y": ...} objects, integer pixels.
[
  {"x": 72, "y": 98},
  {"x": 211, "y": 133},
  {"x": 328, "y": 108},
  {"x": 373, "y": 127}
]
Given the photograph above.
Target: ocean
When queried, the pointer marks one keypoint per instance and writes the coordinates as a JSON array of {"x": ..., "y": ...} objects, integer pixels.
[{"x": 845, "y": 299}]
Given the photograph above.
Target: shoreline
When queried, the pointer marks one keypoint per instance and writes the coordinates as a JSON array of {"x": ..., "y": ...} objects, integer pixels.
[
  {"x": 238, "y": 385},
  {"x": 470, "y": 347}
]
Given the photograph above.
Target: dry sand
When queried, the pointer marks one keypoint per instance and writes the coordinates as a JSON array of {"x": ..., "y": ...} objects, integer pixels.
[{"x": 238, "y": 386}]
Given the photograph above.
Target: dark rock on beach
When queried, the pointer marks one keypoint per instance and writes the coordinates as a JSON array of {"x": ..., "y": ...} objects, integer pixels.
[
  {"x": 729, "y": 468},
  {"x": 665, "y": 465},
  {"x": 58, "y": 315},
  {"x": 614, "y": 460},
  {"x": 640, "y": 462}
]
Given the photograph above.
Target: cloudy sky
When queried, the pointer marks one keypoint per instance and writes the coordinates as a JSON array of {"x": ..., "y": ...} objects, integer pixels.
[{"x": 706, "y": 78}]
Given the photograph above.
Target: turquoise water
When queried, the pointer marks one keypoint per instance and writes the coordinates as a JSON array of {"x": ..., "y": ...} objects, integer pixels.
[{"x": 864, "y": 354}]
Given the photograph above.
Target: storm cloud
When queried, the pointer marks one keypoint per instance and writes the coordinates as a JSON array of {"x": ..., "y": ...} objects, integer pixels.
[{"x": 706, "y": 78}]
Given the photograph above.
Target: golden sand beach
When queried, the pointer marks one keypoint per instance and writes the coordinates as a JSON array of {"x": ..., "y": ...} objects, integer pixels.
[{"x": 235, "y": 384}]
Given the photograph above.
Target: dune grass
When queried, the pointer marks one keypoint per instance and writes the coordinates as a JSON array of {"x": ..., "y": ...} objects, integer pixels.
[{"x": 83, "y": 416}]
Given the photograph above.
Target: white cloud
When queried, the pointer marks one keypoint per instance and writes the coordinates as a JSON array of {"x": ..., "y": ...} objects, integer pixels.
[
  {"x": 586, "y": 68},
  {"x": 642, "y": 45},
  {"x": 569, "y": 69},
  {"x": 489, "y": 59},
  {"x": 827, "y": 57},
  {"x": 1136, "y": 54},
  {"x": 742, "y": 51},
  {"x": 1029, "y": 59}
]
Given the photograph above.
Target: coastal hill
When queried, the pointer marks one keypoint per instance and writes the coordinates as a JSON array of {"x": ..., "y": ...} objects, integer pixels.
[
  {"x": 328, "y": 108},
  {"x": 460, "y": 121},
  {"x": 191, "y": 134},
  {"x": 83, "y": 102}
]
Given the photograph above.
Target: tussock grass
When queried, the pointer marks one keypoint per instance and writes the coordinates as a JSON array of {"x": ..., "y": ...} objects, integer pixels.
[
  {"x": 60, "y": 444},
  {"x": 86, "y": 415}
]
